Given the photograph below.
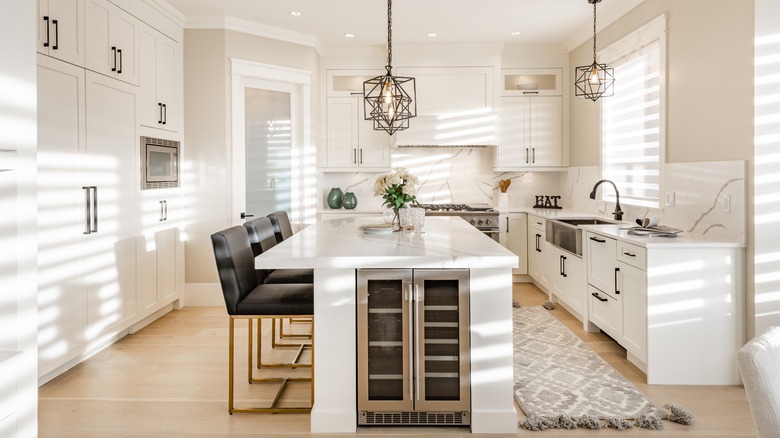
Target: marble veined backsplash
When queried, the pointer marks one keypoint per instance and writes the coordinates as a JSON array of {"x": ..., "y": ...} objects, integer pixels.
[
  {"x": 447, "y": 175},
  {"x": 709, "y": 198}
]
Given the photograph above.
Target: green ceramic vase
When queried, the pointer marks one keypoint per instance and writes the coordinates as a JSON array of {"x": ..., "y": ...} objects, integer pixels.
[
  {"x": 349, "y": 201},
  {"x": 335, "y": 197}
]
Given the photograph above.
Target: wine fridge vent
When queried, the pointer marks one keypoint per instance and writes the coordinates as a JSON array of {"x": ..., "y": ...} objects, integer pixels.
[{"x": 414, "y": 418}]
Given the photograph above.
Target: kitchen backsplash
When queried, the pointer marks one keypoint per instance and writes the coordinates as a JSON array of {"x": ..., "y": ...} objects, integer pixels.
[
  {"x": 447, "y": 175},
  {"x": 709, "y": 198},
  {"x": 703, "y": 191}
]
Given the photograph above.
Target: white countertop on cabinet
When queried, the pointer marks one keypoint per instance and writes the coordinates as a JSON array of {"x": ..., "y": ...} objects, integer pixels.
[{"x": 446, "y": 242}]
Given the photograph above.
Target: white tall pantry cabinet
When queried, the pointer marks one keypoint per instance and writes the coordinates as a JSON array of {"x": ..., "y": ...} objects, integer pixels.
[{"x": 110, "y": 255}]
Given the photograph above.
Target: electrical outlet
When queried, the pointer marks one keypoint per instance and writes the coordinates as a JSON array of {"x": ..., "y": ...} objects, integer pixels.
[
  {"x": 670, "y": 199},
  {"x": 725, "y": 202}
]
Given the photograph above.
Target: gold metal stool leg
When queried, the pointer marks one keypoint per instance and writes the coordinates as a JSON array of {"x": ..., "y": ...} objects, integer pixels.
[{"x": 274, "y": 408}]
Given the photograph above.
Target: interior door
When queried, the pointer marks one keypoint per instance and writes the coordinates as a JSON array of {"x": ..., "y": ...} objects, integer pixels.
[{"x": 263, "y": 152}]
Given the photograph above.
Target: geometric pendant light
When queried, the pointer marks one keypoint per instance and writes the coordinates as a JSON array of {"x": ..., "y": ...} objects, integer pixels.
[
  {"x": 595, "y": 80},
  {"x": 389, "y": 100}
]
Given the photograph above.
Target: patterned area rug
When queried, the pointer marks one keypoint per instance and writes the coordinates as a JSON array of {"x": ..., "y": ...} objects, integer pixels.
[{"x": 561, "y": 382}]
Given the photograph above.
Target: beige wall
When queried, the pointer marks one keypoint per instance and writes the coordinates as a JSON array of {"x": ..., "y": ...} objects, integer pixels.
[
  {"x": 710, "y": 81},
  {"x": 207, "y": 130}
]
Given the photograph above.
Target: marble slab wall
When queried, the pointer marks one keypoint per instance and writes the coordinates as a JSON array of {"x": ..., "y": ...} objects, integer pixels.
[
  {"x": 709, "y": 198},
  {"x": 447, "y": 175}
]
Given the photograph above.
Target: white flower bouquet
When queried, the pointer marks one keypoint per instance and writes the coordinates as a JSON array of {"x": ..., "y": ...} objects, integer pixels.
[{"x": 398, "y": 188}]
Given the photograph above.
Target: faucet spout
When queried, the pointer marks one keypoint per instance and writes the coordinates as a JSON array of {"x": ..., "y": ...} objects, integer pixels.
[{"x": 618, "y": 213}]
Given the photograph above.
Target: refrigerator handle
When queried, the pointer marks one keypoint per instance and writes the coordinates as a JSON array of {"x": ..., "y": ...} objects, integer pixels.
[
  {"x": 419, "y": 299},
  {"x": 410, "y": 299}
]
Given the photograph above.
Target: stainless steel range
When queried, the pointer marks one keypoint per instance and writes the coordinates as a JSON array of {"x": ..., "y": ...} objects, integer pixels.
[{"x": 482, "y": 216}]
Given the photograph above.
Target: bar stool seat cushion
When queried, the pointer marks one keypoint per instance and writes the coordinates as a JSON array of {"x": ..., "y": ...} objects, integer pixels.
[
  {"x": 284, "y": 276},
  {"x": 278, "y": 299}
]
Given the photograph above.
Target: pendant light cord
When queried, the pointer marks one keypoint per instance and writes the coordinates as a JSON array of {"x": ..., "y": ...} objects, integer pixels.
[
  {"x": 390, "y": 36},
  {"x": 594, "y": 32}
]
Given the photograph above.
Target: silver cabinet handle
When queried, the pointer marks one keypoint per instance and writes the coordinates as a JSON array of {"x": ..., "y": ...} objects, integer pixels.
[
  {"x": 418, "y": 304},
  {"x": 166, "y": 209},
  {"x": 90, "y": 210},
  {"x": 162, "y": 211},
  {"x": 410, "y": 339}
]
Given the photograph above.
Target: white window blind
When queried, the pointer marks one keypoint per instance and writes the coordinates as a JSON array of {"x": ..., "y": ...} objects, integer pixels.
[{"x": 632, "y": 126}]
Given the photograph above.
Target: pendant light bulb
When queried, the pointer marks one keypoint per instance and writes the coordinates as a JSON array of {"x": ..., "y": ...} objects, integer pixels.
[{"x": 594, "y": 76}]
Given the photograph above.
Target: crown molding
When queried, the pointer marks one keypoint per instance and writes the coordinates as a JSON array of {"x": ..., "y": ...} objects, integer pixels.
[
  {"x": 252, "y": 28},
  {"x": 168, "y": 11}
]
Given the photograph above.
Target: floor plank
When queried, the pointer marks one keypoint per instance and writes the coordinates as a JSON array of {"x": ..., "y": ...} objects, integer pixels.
[{"x": 170, "y": 380}]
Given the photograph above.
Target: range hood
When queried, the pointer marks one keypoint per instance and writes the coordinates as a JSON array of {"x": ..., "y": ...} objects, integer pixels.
[{"x": 460, "y": 130}]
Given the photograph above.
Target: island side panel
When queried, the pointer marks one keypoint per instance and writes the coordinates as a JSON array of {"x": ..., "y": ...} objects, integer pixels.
[
  {"x": 335, "y": 356},
  {"x": 492, "y": 405},
  {"x": 695, "y": 308}
]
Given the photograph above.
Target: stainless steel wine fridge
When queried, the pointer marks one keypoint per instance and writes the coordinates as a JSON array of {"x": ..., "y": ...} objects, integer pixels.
[{"x": 413, "y": 347}]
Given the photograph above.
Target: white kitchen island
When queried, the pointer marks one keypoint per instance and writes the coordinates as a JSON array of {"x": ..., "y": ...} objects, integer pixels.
[{"x": 337, "y": 248}]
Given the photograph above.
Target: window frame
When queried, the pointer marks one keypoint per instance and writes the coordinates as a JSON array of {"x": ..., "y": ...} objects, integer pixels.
[{"x": 624, "y": 47}]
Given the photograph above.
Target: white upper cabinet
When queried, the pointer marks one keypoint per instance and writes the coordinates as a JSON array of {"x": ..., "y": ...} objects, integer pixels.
[
  {"x": 159, "y": 67},
  {"x": 455, "y": 106},
  {"x": 352, "y": 142},
  {"x": 61, "y": 30},
  {"x": 531, "y": 133},
  {"x": 112, "y": 41}
]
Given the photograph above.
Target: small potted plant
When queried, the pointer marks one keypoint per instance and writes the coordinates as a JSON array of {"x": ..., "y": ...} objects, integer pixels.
[{"x": 397, "y": 189}]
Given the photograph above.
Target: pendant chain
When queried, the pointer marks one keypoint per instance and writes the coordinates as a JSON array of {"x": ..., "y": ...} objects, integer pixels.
[
  {"x": 390, "y": 34},
  {"x": 594, "y": 32}
]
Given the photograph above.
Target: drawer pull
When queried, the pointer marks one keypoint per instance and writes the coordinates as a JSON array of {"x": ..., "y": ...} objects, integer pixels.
[
  {"x": 629, "y": 254},
  {"x": 595, "y": 294},
  {"x": 617, "y": 291},
  {"x": 596, "y": 239}
]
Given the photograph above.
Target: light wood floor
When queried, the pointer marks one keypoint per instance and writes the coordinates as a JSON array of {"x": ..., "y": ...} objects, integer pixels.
[{"x": 170, "y": 380}]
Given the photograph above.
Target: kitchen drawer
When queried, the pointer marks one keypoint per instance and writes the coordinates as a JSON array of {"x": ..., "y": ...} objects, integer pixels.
[
  {"x": 633, "y": 255},
  {"x": 606, "y": 311},
  {"x": 536, "y": 223}
]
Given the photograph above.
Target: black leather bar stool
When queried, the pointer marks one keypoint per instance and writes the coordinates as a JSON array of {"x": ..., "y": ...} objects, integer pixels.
[
  {"x": 283, "y": 230},
  {"x": 262, "y": 238},
  {"x": 246, "y": 298}
]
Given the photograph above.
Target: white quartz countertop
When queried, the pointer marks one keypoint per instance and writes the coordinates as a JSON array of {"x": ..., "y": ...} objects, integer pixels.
[
  {"x": 683, "y": 240},
  {"x": 446, "y": 242}
]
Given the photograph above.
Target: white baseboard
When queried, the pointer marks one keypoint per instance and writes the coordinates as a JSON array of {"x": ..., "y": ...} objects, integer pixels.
[{"x": 203, "y": 294}]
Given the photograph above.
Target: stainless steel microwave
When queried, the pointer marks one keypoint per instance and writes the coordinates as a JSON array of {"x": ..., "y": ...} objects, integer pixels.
[{"x": 159, "y": 163}]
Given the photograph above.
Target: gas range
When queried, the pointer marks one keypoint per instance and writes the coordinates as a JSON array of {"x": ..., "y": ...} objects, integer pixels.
[{"x": 481, "y": 216}]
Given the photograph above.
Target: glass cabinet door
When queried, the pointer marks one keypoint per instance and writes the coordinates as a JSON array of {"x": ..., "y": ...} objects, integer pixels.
[
  {"x": 442, "y": 340},
  {"x": 384, "y": 340}
]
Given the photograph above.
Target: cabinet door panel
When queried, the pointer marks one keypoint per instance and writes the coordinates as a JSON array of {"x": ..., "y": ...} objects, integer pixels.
[
  {"x": 62, "y": 34},
  {"x": 545, "y": 131},
  {"x": 125, "y": 36},
  {"x": 100, "y": 57},
  {"x": 513, "y": 148},
  {"x": 601, "y": 262},
  {"x": 61, "y": 213},
  {"x": 517, "y": 241},
  {"x": 342, "y": 132},
  {"x": 633, "y": 284},
  {"x": 112, "y": 157},
  {"x": 167, "y": 84},
  {"x": 150, "y": 111},
  {"x": 374, "y": 148}
]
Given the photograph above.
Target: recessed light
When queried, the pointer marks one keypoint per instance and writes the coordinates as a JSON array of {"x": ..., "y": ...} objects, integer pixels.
[
  {"x": 515, "y": 33},
  {"x": 349, "y": 35},
  {"x": 432, "y": 34},
  {"x": 295, "y": 13}
]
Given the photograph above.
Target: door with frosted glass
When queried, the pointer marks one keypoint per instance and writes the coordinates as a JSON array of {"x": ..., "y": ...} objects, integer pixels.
[{"x": 268, "y": 141}]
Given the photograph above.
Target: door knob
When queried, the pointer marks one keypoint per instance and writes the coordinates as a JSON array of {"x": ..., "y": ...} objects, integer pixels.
[{"x": 244, "y": 215}]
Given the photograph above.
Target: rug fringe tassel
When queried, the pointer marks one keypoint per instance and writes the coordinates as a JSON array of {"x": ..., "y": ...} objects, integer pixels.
[
  {"x": 649, "y": 422},
  {"x": 678, "y": 414}
]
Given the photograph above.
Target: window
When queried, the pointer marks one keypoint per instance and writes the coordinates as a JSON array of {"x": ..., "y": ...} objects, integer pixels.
[{"x": 632, "y": 122}]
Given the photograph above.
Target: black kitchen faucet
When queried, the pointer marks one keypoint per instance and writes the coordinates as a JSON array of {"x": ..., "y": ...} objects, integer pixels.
[{"x": 618, "y": 213}]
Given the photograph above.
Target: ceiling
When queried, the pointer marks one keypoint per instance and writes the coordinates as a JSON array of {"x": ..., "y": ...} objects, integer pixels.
[{"x": 324, "y": 23}]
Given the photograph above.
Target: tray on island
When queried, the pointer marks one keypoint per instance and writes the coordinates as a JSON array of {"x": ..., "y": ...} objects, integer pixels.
[{"x": 378, "y": 228}]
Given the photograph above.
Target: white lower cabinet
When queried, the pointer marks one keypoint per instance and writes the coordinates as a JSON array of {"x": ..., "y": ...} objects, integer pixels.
[
  {"x": 537, "y": 250},
  {"x": 633, "y": 287},
  {"x": 674, "y": 307},
  {"x": 566, "y": 278},
  {"x": 606, "y": 311},
  {"x": 513, "y": 234}
]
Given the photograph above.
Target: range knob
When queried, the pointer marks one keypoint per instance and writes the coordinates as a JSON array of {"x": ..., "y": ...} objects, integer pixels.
[
  {"x": 473, "y": 222},
  {"x": 480, "y": 222},
  {"x": 488, "y": 221}
]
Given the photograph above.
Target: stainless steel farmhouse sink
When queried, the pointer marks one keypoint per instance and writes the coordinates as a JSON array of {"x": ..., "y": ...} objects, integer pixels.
[{"x": 566, "y": 233}]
